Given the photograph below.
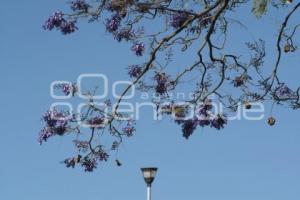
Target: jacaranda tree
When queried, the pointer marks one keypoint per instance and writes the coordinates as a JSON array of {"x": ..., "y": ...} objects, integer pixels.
[{"x": 198, "y": 28}]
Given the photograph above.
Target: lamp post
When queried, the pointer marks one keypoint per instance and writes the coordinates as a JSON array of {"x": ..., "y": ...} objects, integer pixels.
[{"x": 149, "y": 175}]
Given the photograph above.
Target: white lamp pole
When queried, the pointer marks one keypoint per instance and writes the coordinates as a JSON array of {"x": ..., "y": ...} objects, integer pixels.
[
  {"x": 148, "y": 192},
  {"x": 149, "y": 175}
]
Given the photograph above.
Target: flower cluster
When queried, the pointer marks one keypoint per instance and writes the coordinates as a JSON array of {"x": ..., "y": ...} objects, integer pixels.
[
  {"x": 101, "y": 155},
  {"x": 108, "y": 103},
  {"x": 89, "y": 164},
  {"x": 124, "y": 34},
  {"x": 129, "y": 129},
  {"x": 80, "y": 5},
  {"x": 59, "y": 22},
  {"x": 219, "y": 121},
  {"x": 204, "y": 117},
  {"x": 134, "y": 71},
  {"x": 68, "y": 27},
  {"x": 70, "y": 162},
  {"x": 56, "y": 124},
  {"x": 204, "y": 113},
  {"x": 67, "y": 88},
  {"x": 113, "y": 23},
  {"x": 178, "y": 19},
  {"x": 238, "y": 81},
  {"x": 44, "y": 134},
  {"x": 188, "y": 127},
  {"x": 81, "y": 146},
  {"x": 138, "y": 48},
  {"x": 161, "y": 83},
  {"x": 54, "y": 21},
  {"x": 284, "y": 92},
  {"x": 96, "y": 122},
  {"x": 205, "y": 20},
  {"x": 201, "y": 24}
]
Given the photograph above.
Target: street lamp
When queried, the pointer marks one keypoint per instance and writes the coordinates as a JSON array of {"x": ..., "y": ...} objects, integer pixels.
[{"x": 149, "y": 175}]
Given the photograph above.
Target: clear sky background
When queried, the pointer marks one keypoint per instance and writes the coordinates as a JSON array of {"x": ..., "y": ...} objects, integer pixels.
[{"x": 247, "y": 160}]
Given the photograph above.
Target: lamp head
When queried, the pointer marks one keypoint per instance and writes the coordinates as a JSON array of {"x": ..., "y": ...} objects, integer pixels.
[{"x": 149, "y": 174}]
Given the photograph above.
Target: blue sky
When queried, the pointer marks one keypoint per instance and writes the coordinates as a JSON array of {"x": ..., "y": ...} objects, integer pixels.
[{"x": 247, "y": 160}]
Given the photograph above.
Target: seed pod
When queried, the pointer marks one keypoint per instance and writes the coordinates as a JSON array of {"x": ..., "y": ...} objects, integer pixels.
[
  {"x": 238, "y": 81},
  {"x": 271, "y": 121},
  {"x": 287, "y": 48},
  {"x": 247, "y": 105},
  {"x": 143, "y": 7},
  {"x": 119, "y": 164},
  {"x": 78, "y": 159},
  {"x": 179, "y": 111}
]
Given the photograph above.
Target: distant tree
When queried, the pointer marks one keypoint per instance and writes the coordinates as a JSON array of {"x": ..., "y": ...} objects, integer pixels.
[{"x": 198, "y": 28}]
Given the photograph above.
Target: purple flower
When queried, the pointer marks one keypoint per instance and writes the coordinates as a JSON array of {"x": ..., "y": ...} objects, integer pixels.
[
  {"x": 178, "y": 19},
  {"x": 134, "y": 71},
  {"x": 59, "y": 22},
  {"x": 70, "y": 162},
  {"x": 129, "y": 129},
  {"x": 205, "y": 20},
  {"x": 188, "y": 127},
  {"x": 68, "y": 27},
  {"x": 238, "y": 81},
  {"x": 80, "y": 5},
  {"x": 54, "y": 21},
  {"x": 45, "y": 134},
  {"x": 125, "y": 34},
  {"x": 108, "y": 103},
  {"x": 203, "y": 122},
  {"x": 204, "y": 108},
  {"x": 218, "y": 121},
  {"x": 113, "y": 23},
  {"x": 161, "y": 83},
  {"x": 55, "y": 118},
  {"x": 203, "y": 118},
  {"x": 81, "y": 145},
  {"x": 138, "y": 48},
  {"x": 56, "y": 124},
  {"x": 67, "y": 88},
  {"x": 96, "y": 122},
  {"x": 60, "y": 130},
  {"x": 102, "y": 155},
  {"x": 89, "y": 164},
  {"x": 284, "y": 92}
]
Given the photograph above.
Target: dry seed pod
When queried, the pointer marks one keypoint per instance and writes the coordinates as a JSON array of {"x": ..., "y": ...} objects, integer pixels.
[
  {"x": 119, "y": 164},
  {"x": 78, "y": 159},
  {"x": 271, "y": 121},
  {"x": 287, "y": 48},
  {"x": 247, "y": 105},
  {"x": 179, "y": 111}
]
